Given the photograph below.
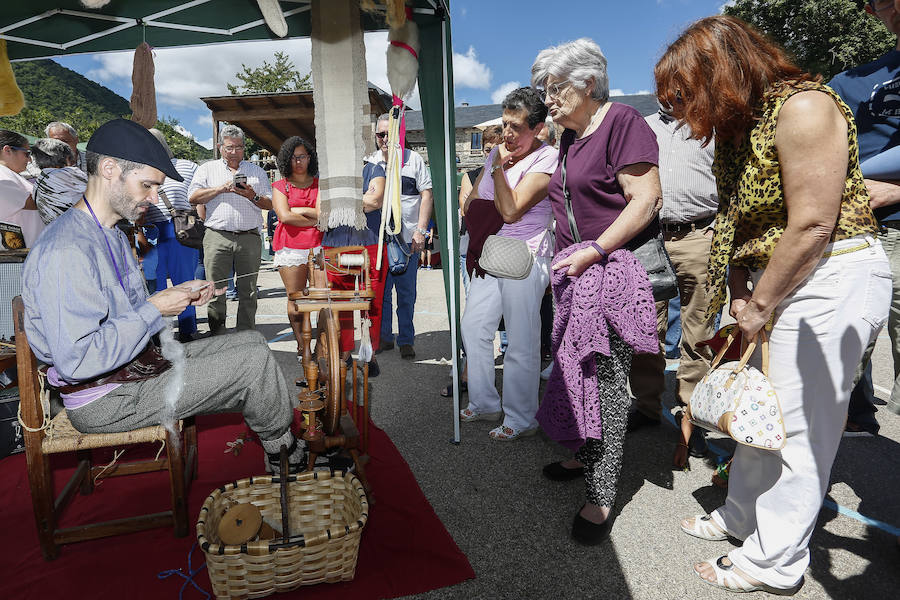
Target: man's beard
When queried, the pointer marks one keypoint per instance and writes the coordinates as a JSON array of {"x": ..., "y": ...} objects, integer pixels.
[{"x": 122, "y": 203}]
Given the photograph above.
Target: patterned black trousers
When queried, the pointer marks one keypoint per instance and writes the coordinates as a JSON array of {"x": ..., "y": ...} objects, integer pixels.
[{"x": 602, "y": 459}]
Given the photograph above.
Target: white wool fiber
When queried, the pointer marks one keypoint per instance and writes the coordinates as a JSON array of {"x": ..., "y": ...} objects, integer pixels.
[{"x": 173, "y": 351}]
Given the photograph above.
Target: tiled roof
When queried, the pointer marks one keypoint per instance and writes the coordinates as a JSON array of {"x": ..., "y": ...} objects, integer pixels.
[{"x": 470, "y": 116}]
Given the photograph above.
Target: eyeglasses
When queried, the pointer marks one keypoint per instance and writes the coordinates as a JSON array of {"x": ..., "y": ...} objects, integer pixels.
[
  {"x": 20, "y": 149},
  {"x": 381, "y": 135},
  {"x": 300, "y": 157},
  {"x": 880, "y": 5},
  {"x": 555, "y": 89},
  {"x": 232, "y": 148}
]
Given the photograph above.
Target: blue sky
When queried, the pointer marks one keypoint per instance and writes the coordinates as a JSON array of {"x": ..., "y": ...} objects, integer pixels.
[{"x": 494, "y": 44}]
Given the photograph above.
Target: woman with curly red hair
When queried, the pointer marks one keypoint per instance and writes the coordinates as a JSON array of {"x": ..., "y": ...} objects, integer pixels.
[{"x": 796, "y": 238}]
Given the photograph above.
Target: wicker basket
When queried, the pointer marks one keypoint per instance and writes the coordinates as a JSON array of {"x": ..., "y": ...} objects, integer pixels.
[{"x": 327, "y": 514}]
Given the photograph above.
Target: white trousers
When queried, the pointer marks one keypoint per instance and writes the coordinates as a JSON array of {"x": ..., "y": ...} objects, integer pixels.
[
  {"x": 820, "y": 333},
  {"x": 518, "y": 301}
]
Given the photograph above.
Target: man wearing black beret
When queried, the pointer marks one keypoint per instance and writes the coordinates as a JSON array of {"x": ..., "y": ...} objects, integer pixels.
[{"x": 88, "y": 314}]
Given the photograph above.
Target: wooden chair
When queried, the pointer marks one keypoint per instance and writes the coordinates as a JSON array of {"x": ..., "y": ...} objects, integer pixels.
[{"x": 45, "y": 436}]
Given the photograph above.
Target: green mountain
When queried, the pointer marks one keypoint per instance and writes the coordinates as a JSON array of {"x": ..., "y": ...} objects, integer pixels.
[{"x": 55, "y": 93}]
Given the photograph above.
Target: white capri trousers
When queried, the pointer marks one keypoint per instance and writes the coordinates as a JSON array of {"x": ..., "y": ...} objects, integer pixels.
[
  {"x": 518, "y": 301},
  {"x": 821, "y": 330}
]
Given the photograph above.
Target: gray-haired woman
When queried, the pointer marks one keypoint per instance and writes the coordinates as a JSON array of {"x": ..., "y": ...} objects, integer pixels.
[{"x": 610, "y": 155}]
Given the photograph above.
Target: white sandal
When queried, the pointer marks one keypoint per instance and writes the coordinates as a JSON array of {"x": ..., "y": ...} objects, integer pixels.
[
  {"x": 705, "y": 529},
  {"x": 467, "y": 415},
  {"x": 508, "y": 434},
  {"x": 728, "y": 578}
]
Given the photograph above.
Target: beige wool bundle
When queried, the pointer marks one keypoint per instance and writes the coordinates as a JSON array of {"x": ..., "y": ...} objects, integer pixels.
[
  {"x": 143, "y": 94},
  {"x": 11, "y": 99}
]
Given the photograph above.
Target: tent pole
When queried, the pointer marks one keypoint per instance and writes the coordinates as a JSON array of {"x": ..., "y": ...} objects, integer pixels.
[{"x": 450, "y": 189}]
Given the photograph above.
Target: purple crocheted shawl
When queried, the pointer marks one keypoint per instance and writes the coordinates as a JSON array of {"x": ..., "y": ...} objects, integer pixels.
[{"x": 614, "y": 293}]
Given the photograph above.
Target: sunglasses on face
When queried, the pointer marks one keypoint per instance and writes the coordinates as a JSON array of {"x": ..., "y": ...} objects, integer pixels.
[
  {"x": 20, "y": 149},
  {"x": 381, "y": 135}
]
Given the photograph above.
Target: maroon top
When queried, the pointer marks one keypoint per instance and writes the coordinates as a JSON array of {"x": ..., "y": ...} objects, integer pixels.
[
  {"x": 482, "y": 220},
  {"x": 622, "y": 139}
]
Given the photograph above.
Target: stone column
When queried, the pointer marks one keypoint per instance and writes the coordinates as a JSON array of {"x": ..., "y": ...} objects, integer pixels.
[{"x": 340, "y": 93}]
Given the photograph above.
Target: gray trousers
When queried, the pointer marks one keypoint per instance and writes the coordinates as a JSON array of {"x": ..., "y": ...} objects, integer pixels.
[{"x": 228, "y": 373}]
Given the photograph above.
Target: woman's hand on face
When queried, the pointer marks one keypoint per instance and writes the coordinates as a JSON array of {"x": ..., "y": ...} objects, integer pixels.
[
  {"x": 578, "y": 262},
  {"x": 500, "y": 155}
]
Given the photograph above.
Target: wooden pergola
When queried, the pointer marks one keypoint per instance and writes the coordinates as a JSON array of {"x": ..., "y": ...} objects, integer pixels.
[{"x": 272, "y": 118}]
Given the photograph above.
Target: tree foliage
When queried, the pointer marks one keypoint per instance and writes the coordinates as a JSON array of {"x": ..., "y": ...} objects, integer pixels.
[
  {"x": 824, "y": 36},
  {"x": 281, "y": 76}
]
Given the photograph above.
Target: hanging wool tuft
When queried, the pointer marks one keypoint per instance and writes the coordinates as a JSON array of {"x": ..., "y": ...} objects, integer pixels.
[
  {"x": 143, "y": 94},
  {"x": 11, "y": 99}
]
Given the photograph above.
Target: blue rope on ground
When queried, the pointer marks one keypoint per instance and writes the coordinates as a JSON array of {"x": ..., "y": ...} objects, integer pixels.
[{"x": 189, "y": 578}]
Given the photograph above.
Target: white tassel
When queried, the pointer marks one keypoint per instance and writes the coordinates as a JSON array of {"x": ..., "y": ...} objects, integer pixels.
[
  {"x": 402, "y": 66},
  {"x": 365, "y": 343}
]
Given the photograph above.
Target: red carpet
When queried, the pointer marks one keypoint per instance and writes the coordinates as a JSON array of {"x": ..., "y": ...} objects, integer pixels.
[{"x": 405, "y": 548}]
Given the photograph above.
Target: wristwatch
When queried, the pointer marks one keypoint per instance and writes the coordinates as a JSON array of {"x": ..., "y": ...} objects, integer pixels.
[
  {"x": 494, "y": 168},
  {"x": 422, "y": 231}
]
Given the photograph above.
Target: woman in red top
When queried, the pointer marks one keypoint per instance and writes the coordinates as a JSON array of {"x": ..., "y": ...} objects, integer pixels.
[{"x": 295, "y": 201}]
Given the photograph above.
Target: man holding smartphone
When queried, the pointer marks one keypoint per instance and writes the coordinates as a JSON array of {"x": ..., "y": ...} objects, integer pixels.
[{"x": 234, "y": 192}]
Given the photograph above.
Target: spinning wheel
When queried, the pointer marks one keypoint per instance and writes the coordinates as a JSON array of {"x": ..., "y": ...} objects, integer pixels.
[
  {"x": 327, "y": 361},
  {"x": 324, "y": 401}
]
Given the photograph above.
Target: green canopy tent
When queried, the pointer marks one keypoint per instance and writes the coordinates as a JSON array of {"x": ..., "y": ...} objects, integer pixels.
[{"x": 50, "y": 28}]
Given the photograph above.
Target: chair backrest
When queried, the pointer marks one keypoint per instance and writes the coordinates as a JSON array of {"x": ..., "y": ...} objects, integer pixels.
[{"x": 27, "y": 367}]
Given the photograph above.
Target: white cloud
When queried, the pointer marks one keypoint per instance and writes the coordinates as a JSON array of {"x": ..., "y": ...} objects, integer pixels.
[
  {"x": 505, "y": 88},
  {"x": 208, "y": 144},
  {"x": 183, "y": 131},
  {"x": 468, "y": 71},
  {"x": 616, "y": 92}
]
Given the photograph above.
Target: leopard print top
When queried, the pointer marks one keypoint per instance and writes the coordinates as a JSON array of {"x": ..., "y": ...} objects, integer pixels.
[{"x": 752, "y": 215}]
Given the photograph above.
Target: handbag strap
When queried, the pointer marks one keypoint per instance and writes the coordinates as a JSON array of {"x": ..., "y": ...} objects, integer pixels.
[
  {"x": 162, "y": 196},
  {"x": 570, "y": 214},
  {"x": 760, "y": 338}
]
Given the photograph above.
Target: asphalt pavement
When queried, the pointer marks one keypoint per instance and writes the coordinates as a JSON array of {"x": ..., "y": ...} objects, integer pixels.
[{"x": 513, "y": 524}]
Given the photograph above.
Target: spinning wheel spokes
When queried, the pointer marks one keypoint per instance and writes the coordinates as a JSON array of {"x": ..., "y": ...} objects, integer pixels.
[{"x": 328, "y": 358}]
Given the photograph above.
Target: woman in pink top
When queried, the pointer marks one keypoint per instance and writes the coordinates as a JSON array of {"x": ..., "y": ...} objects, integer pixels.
[
  {"x": 295, "y": 201},
  {"x": 515, "y": 177}
]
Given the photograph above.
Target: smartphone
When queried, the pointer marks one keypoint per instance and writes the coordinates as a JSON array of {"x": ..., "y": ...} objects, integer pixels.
[{"x": 240, "y": 180}]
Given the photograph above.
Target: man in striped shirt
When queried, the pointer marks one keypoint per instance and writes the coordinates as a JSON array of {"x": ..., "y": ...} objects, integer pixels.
[
  {"x": 174, "y": 261},
  {"x": 234, "y": 192},
  {"x": 690, "y": 202}
]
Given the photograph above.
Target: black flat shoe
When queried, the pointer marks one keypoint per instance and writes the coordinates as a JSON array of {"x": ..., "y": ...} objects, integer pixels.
[
  {"x": 557, "y": 472},
  {"x": 447, "y": 392},
  {"x": 697, "y": 444},
  {"x": 637, "y": 420},
  {"x": 590, "y": 534}
]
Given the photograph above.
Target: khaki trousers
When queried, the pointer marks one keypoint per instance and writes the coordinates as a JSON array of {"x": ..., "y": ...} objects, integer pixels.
[
  {"x": 221, "y": 250},
  {"x": 689, "y": 252}
]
